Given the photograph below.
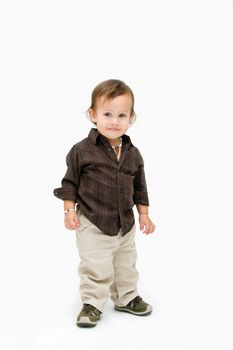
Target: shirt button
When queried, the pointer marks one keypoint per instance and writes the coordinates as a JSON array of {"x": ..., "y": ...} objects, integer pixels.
[{"x": 109, "y": 149}]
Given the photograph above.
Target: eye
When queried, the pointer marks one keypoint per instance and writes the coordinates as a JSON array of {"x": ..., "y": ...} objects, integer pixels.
[
  {"x": 122, "y": 115},
  {"x": 107, "y": 114}
]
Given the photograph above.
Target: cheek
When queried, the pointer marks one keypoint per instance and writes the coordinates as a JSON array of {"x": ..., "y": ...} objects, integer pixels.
[
  {"x": 126, "y": 123},
  {"x": 101, "y": 123}
]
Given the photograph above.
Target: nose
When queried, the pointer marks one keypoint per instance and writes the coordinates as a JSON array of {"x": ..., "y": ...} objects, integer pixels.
[{"x": 114, "y": 120}]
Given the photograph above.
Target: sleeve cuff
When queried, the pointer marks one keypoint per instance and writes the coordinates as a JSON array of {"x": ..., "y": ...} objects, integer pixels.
[
  {"x": 141, "y": 198},
  {"x": 65, "y": 194}
]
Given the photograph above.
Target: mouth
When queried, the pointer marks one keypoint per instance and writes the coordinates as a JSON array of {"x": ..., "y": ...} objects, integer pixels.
[{"x": 113, "y": 129}]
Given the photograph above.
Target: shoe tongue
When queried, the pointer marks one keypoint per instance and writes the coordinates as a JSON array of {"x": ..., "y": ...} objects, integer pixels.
[
  {"x": 136, "y": 300},
  {"x": 88, "y": 306}
]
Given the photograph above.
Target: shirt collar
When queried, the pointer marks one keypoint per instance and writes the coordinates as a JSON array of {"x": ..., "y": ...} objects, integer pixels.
[{"x": 94, "y": 136}]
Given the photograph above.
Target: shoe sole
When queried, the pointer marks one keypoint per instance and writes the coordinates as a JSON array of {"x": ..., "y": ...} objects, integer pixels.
[
  {"x": 145, "y": 313},
  {"x": 85, "y": 322}
]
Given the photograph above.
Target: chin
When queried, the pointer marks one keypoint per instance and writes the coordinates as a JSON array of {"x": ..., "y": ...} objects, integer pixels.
[
  {"x": 113, "y": 134},
  {"x": 113, "y": 137}
]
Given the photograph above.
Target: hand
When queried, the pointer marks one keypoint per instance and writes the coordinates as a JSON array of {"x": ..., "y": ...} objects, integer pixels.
[
  {"x": 146, "y": 224},
  {"x": 71, "y": 220}
]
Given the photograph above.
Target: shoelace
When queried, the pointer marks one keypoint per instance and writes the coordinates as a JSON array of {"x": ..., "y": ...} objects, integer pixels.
[
  {"x": 135, "y": 301},
  {"x": 90, "y": 309}
]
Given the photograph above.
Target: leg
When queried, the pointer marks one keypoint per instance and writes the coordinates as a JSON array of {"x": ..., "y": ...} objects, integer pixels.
[
  {"x": 96, "y": 263},
  {"x": 124, "y": 287}
]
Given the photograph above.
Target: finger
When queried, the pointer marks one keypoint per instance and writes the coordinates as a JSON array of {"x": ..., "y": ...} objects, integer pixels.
[
  {"x": 76, "y": 222},
  {"x": 69, "y": 227},
  {"x": 146, "y": 231},
  {"x": 149, "y": 229},
  {"x": 72, "y": 224},
  {"x": 152, "y": 228}
]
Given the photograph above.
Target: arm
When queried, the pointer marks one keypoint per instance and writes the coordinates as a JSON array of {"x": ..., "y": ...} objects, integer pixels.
[
  {"x": 68, "y": 191},
  {"x": 70, "y": 181},
  {"x": 71, "y": 219},
  {"x": 141, "y": 199},
  {"x": 144, "y": 220}
]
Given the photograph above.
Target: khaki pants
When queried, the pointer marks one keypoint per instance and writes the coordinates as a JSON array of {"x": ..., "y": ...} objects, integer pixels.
[{"x": 107, "y": 265}]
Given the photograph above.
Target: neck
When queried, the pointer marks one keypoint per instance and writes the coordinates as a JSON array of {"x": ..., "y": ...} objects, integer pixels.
[{"x": 116, "y": 142}]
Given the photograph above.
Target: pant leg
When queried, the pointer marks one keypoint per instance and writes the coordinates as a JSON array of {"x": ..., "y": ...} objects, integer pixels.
[
  {"x": 96, "y": 263},
  {"x": 124, "y": 286}
]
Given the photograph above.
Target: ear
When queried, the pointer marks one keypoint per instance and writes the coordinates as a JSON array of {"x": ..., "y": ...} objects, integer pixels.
[{"x": 92, "y": 115}]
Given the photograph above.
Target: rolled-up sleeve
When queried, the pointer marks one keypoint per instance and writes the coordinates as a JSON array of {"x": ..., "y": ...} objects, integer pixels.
[
  {"x": 140, "y": 187},
  {"x": 70, "y": 181}
]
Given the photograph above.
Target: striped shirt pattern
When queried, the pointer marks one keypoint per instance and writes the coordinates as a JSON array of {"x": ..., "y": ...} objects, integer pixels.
[{"x": 104, "y": 188}]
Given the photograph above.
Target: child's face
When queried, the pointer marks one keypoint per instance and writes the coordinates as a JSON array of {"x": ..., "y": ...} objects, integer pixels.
[{"x": 112, "y": 117}]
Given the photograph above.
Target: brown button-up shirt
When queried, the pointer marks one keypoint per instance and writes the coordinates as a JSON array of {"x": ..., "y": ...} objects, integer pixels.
[{"x": 104, "y": 188}]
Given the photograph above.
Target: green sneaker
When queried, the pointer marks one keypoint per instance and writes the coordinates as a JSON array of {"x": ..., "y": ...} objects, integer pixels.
[
  {"x": 136, "y": 307},
  {"x": 88, "y": 316}
]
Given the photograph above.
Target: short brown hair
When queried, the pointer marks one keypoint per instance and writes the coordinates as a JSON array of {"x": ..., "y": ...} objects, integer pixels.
[{"x": 109, "y": 89}]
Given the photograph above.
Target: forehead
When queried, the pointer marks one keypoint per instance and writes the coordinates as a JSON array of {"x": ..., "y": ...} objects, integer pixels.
[{"x": 122, "y": 102}]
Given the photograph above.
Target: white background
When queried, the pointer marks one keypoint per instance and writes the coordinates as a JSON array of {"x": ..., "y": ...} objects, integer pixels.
[{"x": 177, "y": 57}]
